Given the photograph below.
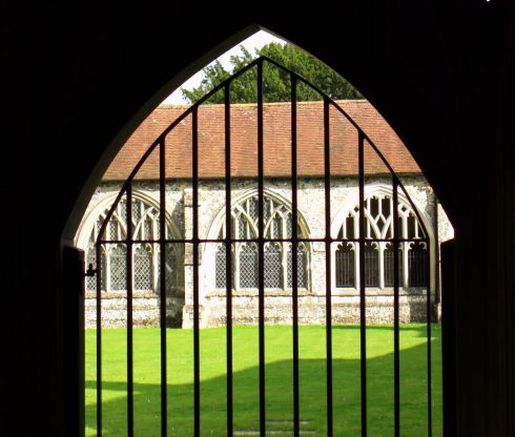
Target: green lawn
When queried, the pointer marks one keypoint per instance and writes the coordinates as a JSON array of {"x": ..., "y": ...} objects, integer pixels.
[{"x": 346, "y": 381}]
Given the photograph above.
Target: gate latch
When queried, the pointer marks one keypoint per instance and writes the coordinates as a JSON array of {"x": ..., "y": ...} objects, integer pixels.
[{"x": 91, "y": 271}]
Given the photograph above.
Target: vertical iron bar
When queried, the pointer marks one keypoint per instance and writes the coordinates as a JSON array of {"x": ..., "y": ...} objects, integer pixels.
[
  {"x": 328, "y": 297},
  {"x": 436, "y": 248},
  {"x": 228, "y": 259},
  {"x": 362, "y": 302},
  {"x": 396, "y": 282},
  {"x": 294, "y": 236},
  {"x": 429, "y": 354},
  {"x": 261, "y": 254},
  {"x": 196, "y": 334},
  {"x": 162, "y": 279},
  {"x": 130, "y": 355},
  {"x": 99, "y": 337}
]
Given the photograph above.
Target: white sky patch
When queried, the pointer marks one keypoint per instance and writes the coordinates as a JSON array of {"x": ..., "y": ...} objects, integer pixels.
[{"x": 256, "y": 41}]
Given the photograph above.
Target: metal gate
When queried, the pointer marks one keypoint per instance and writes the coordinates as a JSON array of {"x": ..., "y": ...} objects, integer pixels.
[{"x": 339, "y": 265}]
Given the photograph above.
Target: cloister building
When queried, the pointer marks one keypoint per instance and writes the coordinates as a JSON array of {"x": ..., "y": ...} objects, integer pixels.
[{"x": 418, "y": 269}]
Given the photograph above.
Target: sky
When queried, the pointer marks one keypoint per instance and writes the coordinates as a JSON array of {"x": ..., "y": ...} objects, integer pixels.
[{"x": 256, "y": 41}]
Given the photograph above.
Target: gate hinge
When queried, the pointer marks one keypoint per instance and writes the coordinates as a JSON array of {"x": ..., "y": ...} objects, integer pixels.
[{"x": 91, "y": 271}]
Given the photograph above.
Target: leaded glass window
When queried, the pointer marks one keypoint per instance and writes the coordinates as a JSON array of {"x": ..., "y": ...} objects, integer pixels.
[
  {"x": 118, "y": 269},
  {"x": 248, "y": 266},
  {"x": 221, "y": 266},
  {"x": 273, "y": 268},
  {"x": 91, "y": 260},
  {"x": 143, "y": 268},
  {"x": 277, "y": 255}
]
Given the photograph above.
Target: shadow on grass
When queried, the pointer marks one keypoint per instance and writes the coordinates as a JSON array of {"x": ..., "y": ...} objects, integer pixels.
[
  {"x": 419, "y": 328},
  {"x": 346, "y": 399}
]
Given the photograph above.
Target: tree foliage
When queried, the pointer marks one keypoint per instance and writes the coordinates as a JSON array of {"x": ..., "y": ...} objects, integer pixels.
[{"x": 276, "y": 82}]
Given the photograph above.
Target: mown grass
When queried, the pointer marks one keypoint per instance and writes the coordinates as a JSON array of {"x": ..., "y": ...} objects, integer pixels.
[{"x": 279, "y": 411}]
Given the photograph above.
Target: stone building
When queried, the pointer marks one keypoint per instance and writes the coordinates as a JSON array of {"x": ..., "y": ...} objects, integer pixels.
[{"x": 418, "y": 263}]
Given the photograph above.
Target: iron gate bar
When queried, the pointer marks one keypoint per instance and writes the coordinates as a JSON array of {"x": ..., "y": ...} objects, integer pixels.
[
  {"x": 99, "y": 339},
  {"x": 261, "y": 251},
  {"x": 196, "y": 333},
  {"x": 396, "y": 280},
  {"x": 130, "y": 354},
  {"x": 129, "y": 241},
  {"x": 162, "y": 282},
  {"x": 362, "y": 302},
  {"x": 328, "y": 291},
  {"x": 294, "y": 248},
  {"x": 228, "y": 259},
  {"x": 429, "y": 354}
]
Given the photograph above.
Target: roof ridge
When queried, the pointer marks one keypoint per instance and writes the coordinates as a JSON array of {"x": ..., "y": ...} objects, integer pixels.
[{"x": 303, "y": 102}]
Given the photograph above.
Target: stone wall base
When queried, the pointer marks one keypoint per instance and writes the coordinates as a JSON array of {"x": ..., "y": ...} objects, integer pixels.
[
  {"x": 278, "y": 310},
  {"x": 145, "y": 310}
]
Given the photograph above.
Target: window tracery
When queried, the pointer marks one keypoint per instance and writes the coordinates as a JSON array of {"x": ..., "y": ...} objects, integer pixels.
[
  {"x": 379, "y": 256},
  {"x": 277, "y": 254}
]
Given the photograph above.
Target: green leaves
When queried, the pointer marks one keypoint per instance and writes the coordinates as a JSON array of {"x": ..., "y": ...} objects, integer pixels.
[{"x": 276, "y": 82}]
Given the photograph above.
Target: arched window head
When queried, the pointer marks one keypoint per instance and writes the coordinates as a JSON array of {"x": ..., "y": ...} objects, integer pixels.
[
  {"x": 378, "y": 253},
  {"x": 277, "y": 218},
  {"x": 278, "y": 228}
]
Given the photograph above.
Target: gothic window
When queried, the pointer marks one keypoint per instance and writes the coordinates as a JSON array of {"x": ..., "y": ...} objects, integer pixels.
[
  {"x": 277, "y": 254},
  {"x": 378, "y": 255},
  {"x": 145, "y": 254}
]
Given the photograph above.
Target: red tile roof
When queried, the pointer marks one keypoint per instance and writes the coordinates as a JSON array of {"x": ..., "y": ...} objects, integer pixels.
[{"x": 277, "y": 142}]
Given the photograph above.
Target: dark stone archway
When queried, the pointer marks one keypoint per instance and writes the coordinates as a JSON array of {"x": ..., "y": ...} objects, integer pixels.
[{"x": 74, "y": 77}]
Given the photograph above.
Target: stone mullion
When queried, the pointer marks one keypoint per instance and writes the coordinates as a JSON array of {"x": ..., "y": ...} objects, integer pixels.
[
  {"x": 155, "y": 263},
  {"x": 284, "y": 265},
  {"x": 380, "y": 252},
  {"x": 108, "y": 268},
  {"x": 357, "y": 265},
  {"x": 405, "y": 254}
]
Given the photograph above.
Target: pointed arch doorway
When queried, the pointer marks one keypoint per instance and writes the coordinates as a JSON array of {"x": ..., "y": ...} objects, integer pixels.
[{"x": 182, "y": 156}]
